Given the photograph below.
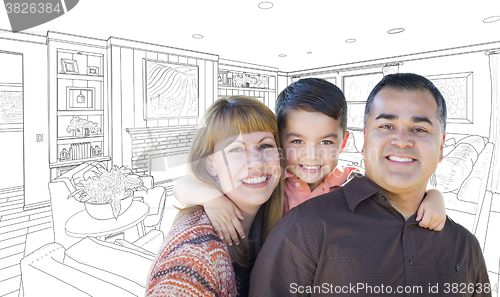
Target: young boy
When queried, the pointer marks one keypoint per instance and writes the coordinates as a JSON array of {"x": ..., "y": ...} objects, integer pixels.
[{"x": 312, "y": 121}]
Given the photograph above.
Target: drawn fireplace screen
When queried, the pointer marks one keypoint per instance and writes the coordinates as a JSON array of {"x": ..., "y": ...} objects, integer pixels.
[{"x": 171, "y": 90}]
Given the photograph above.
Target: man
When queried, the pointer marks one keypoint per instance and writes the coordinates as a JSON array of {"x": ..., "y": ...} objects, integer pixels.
[{"x": 363, "y": 239}]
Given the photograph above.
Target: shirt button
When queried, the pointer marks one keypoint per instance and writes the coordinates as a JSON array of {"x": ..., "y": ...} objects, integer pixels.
[
  {"x": 384, "y": 198},
  {"x": 297, "y": 185},
  {"x": 410, "y": 263},
  {"x": 457, "y": 269}
]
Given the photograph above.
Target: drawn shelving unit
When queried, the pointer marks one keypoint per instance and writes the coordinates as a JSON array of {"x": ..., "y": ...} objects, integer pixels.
[
  {"x": 78, "y": 109},
  {"x": 236, "y": 78},
  {"x": 244, "y": 83}
]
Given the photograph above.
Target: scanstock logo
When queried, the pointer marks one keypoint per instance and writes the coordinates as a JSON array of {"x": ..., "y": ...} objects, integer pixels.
[{"x": 26, "y": 14}]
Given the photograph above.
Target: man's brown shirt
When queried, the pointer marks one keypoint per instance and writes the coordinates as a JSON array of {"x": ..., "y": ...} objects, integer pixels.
[{"x": 352, "y": 242}]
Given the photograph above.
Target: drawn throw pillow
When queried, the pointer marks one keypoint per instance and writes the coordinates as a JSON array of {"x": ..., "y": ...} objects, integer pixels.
[
  {"x": 450, "y": 141},
  {"x": 455, "y": 168},
  {"x": 475, "y": 140},
  {"x": 447, "y": 150},
  {"x": 449, "y": 145},
  {"x": 474, "y": 187}
]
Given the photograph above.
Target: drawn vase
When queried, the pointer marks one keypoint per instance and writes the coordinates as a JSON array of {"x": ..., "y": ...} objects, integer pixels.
[
  {"x": 79, "y": 132},
  {"x": 105, "y": 212}
]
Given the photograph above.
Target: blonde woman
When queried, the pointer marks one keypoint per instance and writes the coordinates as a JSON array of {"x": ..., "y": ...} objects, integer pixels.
[{"x": 237, "y": 152}]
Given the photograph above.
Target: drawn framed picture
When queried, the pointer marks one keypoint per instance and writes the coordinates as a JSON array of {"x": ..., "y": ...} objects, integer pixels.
[
  {"x": 170, "y": 90},
  {"x": 93, "y": 70},
  {"x": 11, "y": 105},
  {"x": 456, "y": 89},
  {"x": 69, "y": 66},
  {"x": 80, "y": 98}
]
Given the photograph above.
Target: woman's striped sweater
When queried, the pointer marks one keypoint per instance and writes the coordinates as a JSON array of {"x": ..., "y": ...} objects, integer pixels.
[{"x": 192, "y": 261}]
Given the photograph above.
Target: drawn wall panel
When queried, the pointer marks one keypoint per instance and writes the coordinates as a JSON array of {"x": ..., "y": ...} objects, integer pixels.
[{"x": 171, "y": 90}]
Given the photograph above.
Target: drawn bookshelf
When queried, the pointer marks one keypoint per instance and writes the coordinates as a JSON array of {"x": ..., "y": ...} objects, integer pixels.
[
  {"x": 78, "y": 106},
  {"x": 234, "y": 81}
]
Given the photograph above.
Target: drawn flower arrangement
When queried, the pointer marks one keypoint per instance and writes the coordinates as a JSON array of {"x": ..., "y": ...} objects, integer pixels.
[
  {"x": 79, "y": 126},
  {"x": 238, "y": 81},
  {"x": 108, "y": 187}
]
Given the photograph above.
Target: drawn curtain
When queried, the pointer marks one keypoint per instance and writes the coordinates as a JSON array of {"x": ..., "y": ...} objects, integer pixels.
[{"x": 495, "y": 120}]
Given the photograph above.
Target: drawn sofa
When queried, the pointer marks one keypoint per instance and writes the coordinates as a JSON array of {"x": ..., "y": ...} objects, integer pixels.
[
  {"x": 462, "y": 175},
  {"x": 88, "y": 268}
]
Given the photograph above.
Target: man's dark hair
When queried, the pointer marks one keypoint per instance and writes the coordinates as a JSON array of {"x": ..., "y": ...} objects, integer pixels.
[
  {"x": 408, "y": 82},
  {"x": 312, "y": 95}
]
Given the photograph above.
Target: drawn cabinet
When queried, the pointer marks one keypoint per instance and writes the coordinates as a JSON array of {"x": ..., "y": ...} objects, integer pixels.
[
  {"x": 78, "y": 106},
  {"x": 239, "y": 81}
]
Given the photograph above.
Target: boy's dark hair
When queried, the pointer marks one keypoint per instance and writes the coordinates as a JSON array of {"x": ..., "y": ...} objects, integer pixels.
[
  {"x": 312, "y": 95},
  {"x": 408, "y": 82}
]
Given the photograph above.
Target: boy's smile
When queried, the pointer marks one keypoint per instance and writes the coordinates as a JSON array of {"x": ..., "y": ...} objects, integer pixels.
[{"x": 311, "y": 145}]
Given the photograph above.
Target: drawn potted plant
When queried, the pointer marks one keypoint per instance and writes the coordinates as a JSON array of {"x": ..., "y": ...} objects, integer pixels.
[
  {"x": 82, "y": 127},
  {"x": 107, "y": 194}
]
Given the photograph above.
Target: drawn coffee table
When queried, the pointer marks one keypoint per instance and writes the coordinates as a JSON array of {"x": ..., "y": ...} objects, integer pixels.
[{"x": 82, "y": 224}]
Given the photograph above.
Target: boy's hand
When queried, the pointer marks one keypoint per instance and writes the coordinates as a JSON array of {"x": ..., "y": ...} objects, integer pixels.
[
  {"x": 225, "y": 218},
  {"x": 431, "y": 212}
]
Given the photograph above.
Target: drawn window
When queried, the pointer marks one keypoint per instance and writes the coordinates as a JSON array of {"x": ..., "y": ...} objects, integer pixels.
[
  {"x": 11, "y": 89},
  {"x": 333, "y": 80},
  {"x": 358, "y": 87},
  {"x": 171, "y": 90},
  {"x": 356, "y": 91}
]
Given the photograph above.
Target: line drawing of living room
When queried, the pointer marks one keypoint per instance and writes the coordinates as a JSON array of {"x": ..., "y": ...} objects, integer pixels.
[{"x": 77, "y": 103}]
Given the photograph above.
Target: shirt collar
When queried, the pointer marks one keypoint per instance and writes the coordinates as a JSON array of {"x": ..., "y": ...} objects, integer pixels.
[
  {"x": 357, "y": 189},
  {"x": 334, "y": 178},
  {"x": 287, "y": 174},
  {"x": 331, "y": 179},
  {"x": 412, "y": 220}
]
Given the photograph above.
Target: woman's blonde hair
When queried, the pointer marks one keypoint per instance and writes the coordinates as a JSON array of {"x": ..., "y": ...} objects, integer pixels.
[{"x": 228, "y": 117}]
